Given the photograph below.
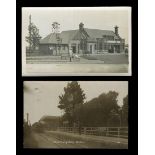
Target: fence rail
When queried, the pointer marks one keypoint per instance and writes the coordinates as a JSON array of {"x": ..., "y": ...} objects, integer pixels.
[{"x": 98, "y": 131}]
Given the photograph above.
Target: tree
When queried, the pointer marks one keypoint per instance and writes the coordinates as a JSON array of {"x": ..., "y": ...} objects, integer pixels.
[
  {"x": 125, "y": 111},
  {"x": 71, "y": 101},
  {"x": 114, "y": 118},
  {"x": 108, "y": 103},
  {"x": 55, "y": 30},
  {"x": 33, "y": 38},
  {"x": 98, "y": 111}
]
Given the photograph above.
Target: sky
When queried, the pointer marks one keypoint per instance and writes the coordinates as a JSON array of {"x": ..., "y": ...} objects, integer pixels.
[
  {"x": 41, "y": 97},
  {"x": 104, "y": 18}
]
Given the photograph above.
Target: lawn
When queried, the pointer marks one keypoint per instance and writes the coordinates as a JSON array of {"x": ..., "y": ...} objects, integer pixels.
[{"x": 109, "y": 58}]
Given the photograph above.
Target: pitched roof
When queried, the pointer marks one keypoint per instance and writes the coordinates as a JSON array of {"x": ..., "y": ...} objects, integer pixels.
[
  {"x": 81, "y": 35},
  {"x": 49, "y": 118},
  {"x": 66, "y": 36},
  {"x": 51, "y": 38},
  {"x": 96, "y": 33}
]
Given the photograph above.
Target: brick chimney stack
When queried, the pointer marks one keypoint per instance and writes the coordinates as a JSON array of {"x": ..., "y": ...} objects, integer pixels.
[
  {"x": 116, "y": 30},
  {"x": 81, "y": 26}
]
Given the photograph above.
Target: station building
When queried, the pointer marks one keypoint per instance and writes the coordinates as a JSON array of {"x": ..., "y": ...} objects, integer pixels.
[{"x": 83, "y": 41}]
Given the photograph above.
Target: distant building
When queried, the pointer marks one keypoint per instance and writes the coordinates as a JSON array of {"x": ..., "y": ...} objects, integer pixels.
[
  {"x": 50, "y": 122},
  {"x": 83, "y": 41}
]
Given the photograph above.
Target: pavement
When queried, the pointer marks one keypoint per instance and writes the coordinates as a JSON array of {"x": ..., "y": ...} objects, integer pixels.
[
  {"x": 51, "y": 60},
  {"x": 87, "y": 59}
]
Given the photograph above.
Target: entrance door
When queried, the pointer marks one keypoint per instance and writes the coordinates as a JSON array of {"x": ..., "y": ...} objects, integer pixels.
[
  {"x": 112, "y": 49},
  {"x": 90, "y": 48},
  {"x": 74, "y": 49}
]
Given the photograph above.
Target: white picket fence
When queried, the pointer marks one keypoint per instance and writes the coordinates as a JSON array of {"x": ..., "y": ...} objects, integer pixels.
[{"x": 98, "y": 131}]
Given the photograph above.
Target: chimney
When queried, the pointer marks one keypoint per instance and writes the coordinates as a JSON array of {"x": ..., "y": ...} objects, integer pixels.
[
  {"x": 116, "y": 30},
  {"x": 81, "y": 26}
]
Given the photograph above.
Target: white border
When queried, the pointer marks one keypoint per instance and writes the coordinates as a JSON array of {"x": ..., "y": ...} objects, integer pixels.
[{"x": 59, "y": 73}]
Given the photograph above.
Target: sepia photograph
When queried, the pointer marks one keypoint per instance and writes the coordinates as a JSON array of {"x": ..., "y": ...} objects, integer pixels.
[
  {"x": 75, "y": 114},
  {"x": 76, "y": 41}
]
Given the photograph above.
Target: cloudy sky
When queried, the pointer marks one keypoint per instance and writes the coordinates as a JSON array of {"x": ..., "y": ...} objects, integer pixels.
[
  {"x": 41, "y": 97},
  {"x": 69, "y": 18}
]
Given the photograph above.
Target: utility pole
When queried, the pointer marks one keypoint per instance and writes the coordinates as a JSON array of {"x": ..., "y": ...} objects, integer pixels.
[
  {"x": 55, "y": 29},
  {"x": 30, "y": 32},
  {"x": 27, "y": 116},
  {"x": 121, "y": 117}
]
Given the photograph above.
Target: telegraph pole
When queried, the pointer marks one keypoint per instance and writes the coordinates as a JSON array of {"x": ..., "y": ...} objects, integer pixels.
[
  {"x": 55, "y": 29},
  {"x": 27, "y": 116},
  {"x": 30, "y": 32}
]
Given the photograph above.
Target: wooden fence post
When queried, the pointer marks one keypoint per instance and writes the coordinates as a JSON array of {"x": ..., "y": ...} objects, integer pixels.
[
  {"x": 118, "y": 131},
  {"x": 85, "y": 132},
  {"x": 107, "y": 133}
]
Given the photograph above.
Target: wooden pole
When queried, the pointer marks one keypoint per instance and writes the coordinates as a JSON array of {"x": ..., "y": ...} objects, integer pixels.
[
  {"x": 30, "y": 31},
  {"x": 27, "y": 114}
]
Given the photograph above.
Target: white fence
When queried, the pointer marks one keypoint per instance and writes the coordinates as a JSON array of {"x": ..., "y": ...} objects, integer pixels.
[{"x": 98, "y": 131}]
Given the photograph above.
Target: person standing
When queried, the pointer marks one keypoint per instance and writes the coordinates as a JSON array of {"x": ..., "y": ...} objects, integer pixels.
[{"x": 70, "y": 53}]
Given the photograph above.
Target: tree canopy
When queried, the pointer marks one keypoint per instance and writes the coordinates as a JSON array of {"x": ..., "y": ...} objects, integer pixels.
[
  {"x": 34, "y": 37},
  {"x": 71, "y": 100},
  {"x": 125, "y": 111},
  {"x": 100, "y": 111}
]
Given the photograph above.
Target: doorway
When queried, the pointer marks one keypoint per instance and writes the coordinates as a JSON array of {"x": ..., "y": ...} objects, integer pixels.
[
  {"x": 74, "y": 49},
  {"x": 90, "y": 48}
]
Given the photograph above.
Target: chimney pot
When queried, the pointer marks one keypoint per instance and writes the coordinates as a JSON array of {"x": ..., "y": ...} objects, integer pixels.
[
  {"x": 116, "y": 30},
  {"x": 81, "y": 26}
]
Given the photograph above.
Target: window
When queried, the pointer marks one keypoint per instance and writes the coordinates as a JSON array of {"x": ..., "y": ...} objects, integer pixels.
[
  {"x": 95, "y": 47},
  {"x": 105, "y": 47},
  {"x": 63, "y": 47},
  {"x": 110, "y": 37},
  {"x": 81, "y": 45},
  {"x": 100, "y": 46}
]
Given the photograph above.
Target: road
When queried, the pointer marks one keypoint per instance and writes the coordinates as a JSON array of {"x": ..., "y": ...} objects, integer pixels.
[
  {"x": 75, "y": 69},
  {"x": 47, "y": 140},
  {"x": 110, "y": 64}
]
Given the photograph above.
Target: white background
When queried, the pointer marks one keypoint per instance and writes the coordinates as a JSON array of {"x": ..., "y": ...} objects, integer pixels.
[
  {"x": 146, "y": 77},
  {"x": 8, "y": 77}
]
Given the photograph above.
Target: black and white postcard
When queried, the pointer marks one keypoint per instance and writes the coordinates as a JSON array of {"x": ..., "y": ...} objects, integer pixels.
[
  {"x": 76, "y": 114},
  {"x": 76, "y": 41}
]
